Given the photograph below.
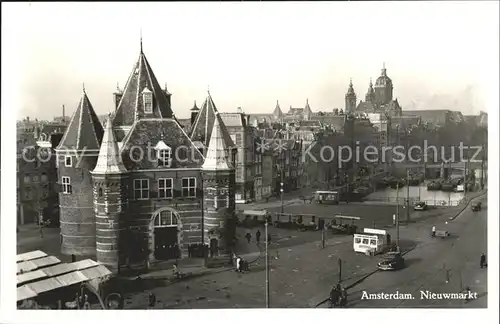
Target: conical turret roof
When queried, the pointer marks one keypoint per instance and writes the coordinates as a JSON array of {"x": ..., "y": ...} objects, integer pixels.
[
  {"x": 217, "y": 154},
  {"x": 84, "y": 131},
  {"x": 204, "y": 124},
  {"x": 109, "y": 160}
]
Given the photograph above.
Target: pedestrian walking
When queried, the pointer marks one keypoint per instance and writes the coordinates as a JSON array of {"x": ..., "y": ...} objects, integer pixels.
[
  {"x": 467, "y": 291},
  {"x": 482, "y": 262},
  {"x": 238, "y": 264},
  {"x": 343, "y": 297},
  {"x": 248, "y": 236},
  {"x": 334, "y": 296},
  {"x": 434, "y": 231},
  {"x": 152, "y": 299},
  {"x": 86, "y": 304},
  {"x": 268, "y": 238},
  {"x": 175, "y": 271},
  {"x": 257, "y": 236}
]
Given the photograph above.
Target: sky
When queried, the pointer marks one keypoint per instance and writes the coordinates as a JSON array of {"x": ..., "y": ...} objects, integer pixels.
[{"x": 438, "y": 54}]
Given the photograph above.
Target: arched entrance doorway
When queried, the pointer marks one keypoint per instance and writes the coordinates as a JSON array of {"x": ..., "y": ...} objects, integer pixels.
[{"x": 166, "y": 234}]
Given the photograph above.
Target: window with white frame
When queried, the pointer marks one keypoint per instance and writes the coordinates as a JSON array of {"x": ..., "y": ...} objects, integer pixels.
[
  {"x": 141, "y": 189},
  {"x": 66, "y": 185},
  {"x": 165, "y": 218},
  {"x": 165, "y": 188},
  {"x": 189, "y": 187},
  {"x": 68, "y": 161},
  {"x": 27, "y": 179},
  {"x": 147, "y": 100},
  {"x": 35, "y": 178},
  {"x": 164, "y": 157},
  {"x": 163, "y": 154}
]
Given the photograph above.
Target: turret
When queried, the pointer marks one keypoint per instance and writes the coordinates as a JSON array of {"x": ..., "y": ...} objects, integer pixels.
[
  {"x": 307, "y": 111},
  {"x": 76, "y": 156},
  {"x": 110, "y": 198},
  {"x": 219, "y": 193},
  {"x": 350, "y": 100},
  {"x": 370, "y": 94}
]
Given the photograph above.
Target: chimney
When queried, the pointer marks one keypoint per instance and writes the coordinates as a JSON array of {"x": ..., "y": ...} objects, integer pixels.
[
  {"x": 168, "y": 95},
  {"x": 64, "y": 114},
  {"x": 239, "y": 110},
  {"x": 194, "y": 113}
]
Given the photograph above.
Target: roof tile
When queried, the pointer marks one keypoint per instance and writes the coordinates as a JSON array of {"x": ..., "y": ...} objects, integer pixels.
[{"x": 84, "y": 131}]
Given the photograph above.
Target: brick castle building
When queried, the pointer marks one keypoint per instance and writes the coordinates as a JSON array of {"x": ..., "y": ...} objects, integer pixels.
[{"x": 139, "y": 189}]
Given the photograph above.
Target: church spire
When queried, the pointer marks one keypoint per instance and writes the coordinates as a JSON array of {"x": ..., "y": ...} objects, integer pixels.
[
  {"x": 277, "y": 110},
  {"x": 350, "y": 90}
]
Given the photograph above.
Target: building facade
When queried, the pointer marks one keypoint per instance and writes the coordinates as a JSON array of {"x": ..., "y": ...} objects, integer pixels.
[
  {"x": 37, "y": 183},
  {"x": 141, "y": 190}
]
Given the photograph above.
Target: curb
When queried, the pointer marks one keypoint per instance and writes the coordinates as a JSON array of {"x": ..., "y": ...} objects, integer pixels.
[
  {"x": 364, "y": 277},
  {"x": 467, "y": 204}
]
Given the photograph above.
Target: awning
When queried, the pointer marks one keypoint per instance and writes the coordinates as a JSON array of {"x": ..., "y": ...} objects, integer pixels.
[
  {"x": 30, "y": 276},
  {"x": 71, "y": 278},
  {"x": 68, "y": 267},
  {"x": 36, "y": 263},
  {"x": 44, "y": 285},
  {"x": 44, "y": 262},
  {"x": 31, "y": 255},
  {"x": 95, "y": 272},
  {"x": 25, "y": 292}
]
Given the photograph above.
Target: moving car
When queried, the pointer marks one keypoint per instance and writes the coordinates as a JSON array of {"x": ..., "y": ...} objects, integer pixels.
[
  {"x": 476, "y": 206},
  {"x": 391, "y": 261},
  {"x": 420, "y": 206}
]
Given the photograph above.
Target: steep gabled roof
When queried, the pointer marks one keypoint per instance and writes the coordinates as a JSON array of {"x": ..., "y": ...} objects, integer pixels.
[
  {"x": 131, "y": 104},
  {"x": 217, "y": 153},
  {"x": 109, "y": 160},
  {"x": 84, "y": 131},
  {"x": 204, "y": 123}
]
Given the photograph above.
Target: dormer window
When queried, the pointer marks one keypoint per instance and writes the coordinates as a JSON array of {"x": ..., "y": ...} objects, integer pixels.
[
  {"x": 163, "y": 154},
  {"x": 147, "y": 101}
]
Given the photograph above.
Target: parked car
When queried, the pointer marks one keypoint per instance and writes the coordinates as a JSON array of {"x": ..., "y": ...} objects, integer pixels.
[
  {"x": 476, "y": 206},
  {"x": 391, "y": 261},
  {"x": 420, "y": 206}
]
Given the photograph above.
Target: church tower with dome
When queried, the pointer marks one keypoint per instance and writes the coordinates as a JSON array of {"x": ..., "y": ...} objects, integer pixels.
[{"x": 383, "y": 88}]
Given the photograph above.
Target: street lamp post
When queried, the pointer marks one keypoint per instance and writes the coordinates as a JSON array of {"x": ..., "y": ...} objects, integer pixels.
[
  {"x": 407, "y": 195},
  {"x": 282, "y": 184},
  {"x": 267, "y": 267},
  {"x": 397, "y": 215}
]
